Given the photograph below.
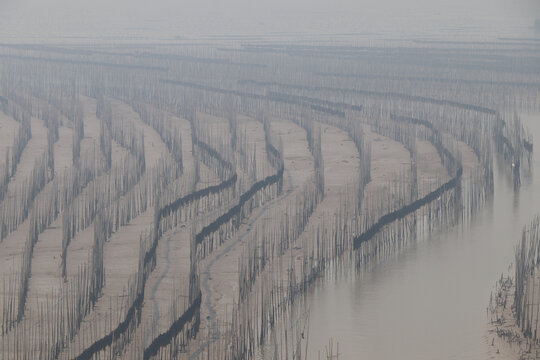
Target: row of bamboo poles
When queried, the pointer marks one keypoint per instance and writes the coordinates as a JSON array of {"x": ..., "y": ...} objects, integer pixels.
[{"x": 272, "y": 280}]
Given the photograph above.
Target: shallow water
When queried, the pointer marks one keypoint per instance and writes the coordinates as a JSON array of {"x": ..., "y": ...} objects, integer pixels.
[{"x": 429, "y": 301}]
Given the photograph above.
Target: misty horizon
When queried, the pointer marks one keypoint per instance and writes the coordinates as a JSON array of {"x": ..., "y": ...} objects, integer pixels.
[
  {"x": 269, "y": 179},
  {"x": 61, "y": 18}
]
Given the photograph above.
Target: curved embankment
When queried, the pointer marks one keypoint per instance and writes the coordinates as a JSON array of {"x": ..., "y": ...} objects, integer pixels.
[
  {"x": 322, "y": 105},
  {"x": 417, "y": 204},
  {"x": 288, "y": 237},
  {"x": 255, "y": 134},
  {"x": 82, "y": 241},
  {"x": 231, "y": 214},
  {"x": 234, "y": 215},
  {"x": 341, "y": 168},
  {"x": 119, "y": 258},
  {"x": 148, "y": 262},
  {"x": 12, "y": 248},
  {"x": 172, "y": 252},
  {"x": 165, "y": 337},
  {"x": 26, "y": 178},
  {"x": 46, "y": 280},
  {"x": 41, "y": 256},
  {"x": 121, "y": 255},
  {"x": 443, "y": 152},
  {"x": 219, "y": 277},
  {"x": 382, "y": 148},
  {"x": 504, "y": 145}
]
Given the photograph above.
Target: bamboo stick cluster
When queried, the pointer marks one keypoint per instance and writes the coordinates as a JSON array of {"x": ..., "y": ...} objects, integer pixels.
[{"x": 113, "y": 187}]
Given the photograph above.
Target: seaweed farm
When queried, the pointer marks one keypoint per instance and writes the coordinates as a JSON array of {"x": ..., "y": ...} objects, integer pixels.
[{"x": 247, "y": 199}]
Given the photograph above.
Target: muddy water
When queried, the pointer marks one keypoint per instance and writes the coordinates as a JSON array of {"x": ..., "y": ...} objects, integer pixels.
[{"x": 428, "y": 302}]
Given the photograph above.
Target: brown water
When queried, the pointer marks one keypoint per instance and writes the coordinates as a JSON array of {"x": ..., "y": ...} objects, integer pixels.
[{"x": 429, "y": 302}]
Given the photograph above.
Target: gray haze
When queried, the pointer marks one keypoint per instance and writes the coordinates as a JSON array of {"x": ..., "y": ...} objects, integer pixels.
[{"x": 169, "y": 18}]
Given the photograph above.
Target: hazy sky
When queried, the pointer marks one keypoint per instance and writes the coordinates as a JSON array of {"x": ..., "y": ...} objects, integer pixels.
[{"x": 210, "y": 17}]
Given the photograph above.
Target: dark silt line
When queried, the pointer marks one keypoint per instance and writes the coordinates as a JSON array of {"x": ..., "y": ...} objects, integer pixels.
[{"x": 204, "y": 282}]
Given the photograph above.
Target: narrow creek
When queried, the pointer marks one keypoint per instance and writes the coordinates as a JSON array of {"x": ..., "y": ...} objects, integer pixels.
[{"x": 429, "y": 301}]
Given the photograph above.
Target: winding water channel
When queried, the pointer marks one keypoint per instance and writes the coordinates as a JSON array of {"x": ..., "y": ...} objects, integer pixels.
[{"x": 429, "y": 301}]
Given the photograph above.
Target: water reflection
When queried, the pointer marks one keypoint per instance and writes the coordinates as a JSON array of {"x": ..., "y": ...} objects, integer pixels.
[{"x": 429, "y": 302}]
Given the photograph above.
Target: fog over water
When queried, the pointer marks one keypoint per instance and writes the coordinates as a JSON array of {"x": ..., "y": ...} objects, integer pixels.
[{"x": 34, "y": 19}]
